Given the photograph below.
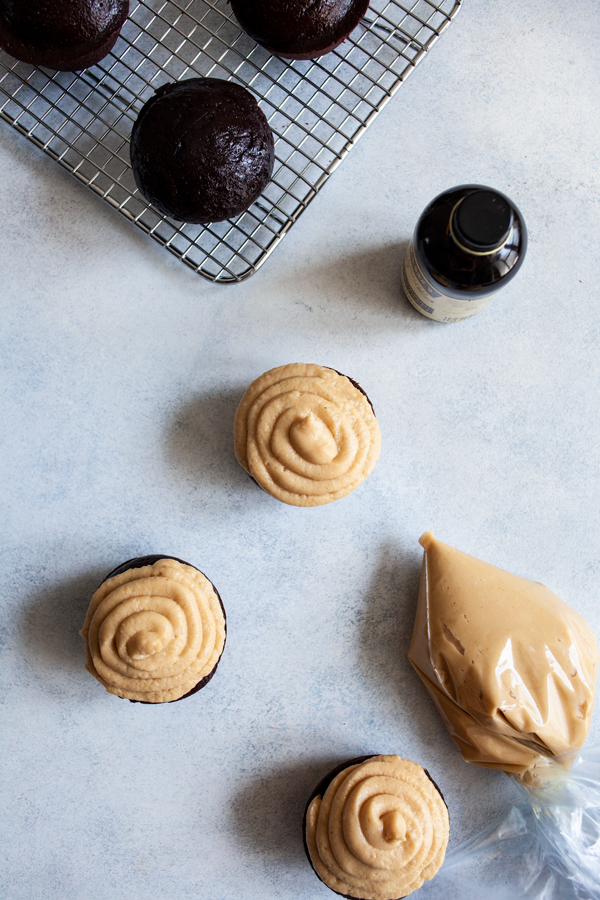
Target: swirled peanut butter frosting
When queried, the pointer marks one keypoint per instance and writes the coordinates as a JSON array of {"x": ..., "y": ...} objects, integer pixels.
[
  {"x": 153, "y": 633},
  {"x": 306, "y": 434},
  {"x": 510, "y": 666},
  {"x": 379, "y": 830}
]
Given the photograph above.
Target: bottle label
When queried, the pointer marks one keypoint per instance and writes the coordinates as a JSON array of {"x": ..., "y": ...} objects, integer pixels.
[{"x": 430, "y": 301}]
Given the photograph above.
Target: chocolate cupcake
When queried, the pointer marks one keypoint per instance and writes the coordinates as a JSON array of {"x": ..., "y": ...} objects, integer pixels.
[
  {"x": 376, "y": 828},
  {"x": 202, "y": 150},
  {"x": 67, "y": 35},
  {"x": 306, "y": 434},
  {"x": 155, "y": 630},
  {"x": 299, "y": 29}
]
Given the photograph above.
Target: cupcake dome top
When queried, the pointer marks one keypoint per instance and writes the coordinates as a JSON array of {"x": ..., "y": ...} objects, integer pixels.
[
  {"x": 299, "y": 29},
  {"x": 63, "y": 34},
  {"x": 202, "y": 150}
]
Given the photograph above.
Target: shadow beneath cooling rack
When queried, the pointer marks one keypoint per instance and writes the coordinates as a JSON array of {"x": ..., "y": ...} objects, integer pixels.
[{"x": 67, "y": 214}]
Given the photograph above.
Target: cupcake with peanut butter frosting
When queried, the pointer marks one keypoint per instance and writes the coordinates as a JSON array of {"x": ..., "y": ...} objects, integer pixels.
[
  {"x": 306, "y": 434},
  {"x": 155, "y": 630},
  {"x": 376, "y": 828}
]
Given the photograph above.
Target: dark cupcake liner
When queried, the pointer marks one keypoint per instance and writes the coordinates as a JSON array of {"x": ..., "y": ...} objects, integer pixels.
[
  {"x": 320, "y": 791},
  {"x": 139, "y": 562},
  {"x": 357, "y": 386}
]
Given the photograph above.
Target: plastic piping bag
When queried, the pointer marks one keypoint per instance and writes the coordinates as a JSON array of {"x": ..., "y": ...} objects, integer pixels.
[
  {"x": 551, "y": 840},
  {"x": 512, "y": 670}
]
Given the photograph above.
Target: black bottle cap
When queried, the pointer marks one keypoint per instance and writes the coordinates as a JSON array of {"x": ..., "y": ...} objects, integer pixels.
[{"x": 482, "y": 221}]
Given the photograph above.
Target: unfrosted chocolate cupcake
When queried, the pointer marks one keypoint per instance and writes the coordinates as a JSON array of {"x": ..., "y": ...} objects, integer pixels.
[
  {"x": 155, "y": 630},
  {"x": 202, "y": 150},
  {"x": 375, "y": 828},
  {"x": 306, "y": 434},
  {"x": 299, "y": 29},
  {"x": 67, "y": 35}
]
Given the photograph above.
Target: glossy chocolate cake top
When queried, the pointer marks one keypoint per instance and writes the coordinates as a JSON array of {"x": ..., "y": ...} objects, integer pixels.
[
  {"x": 299, "y": 29},
  {"x": 202, "y": 150},
  {"x": 62, "y": 34}
]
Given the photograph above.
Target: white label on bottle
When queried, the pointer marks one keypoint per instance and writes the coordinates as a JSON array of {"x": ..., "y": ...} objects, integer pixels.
[{"x": 430, "y": 301}]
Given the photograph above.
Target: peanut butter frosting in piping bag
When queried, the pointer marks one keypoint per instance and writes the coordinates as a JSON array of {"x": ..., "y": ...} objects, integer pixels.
[
  {"x": 306, "y": 434},
  {"x": 379, "y": 830},
  {"x": 510, "y": 666},
  {"x": 153, "y": 633}
]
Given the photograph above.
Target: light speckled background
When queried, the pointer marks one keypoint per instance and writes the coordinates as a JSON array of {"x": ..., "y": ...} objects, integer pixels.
[{"x": 121, "y": 372}]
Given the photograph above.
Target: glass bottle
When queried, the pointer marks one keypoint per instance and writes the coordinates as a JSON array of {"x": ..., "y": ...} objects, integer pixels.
[{"x": 468, "y": 244}]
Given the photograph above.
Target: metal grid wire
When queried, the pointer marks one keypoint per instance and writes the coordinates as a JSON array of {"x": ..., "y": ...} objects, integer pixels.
[{"x": 317, "y": 109}]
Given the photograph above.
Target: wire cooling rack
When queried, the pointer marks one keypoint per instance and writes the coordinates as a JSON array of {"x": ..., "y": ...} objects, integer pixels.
[{"x": 317, "y": 110}]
